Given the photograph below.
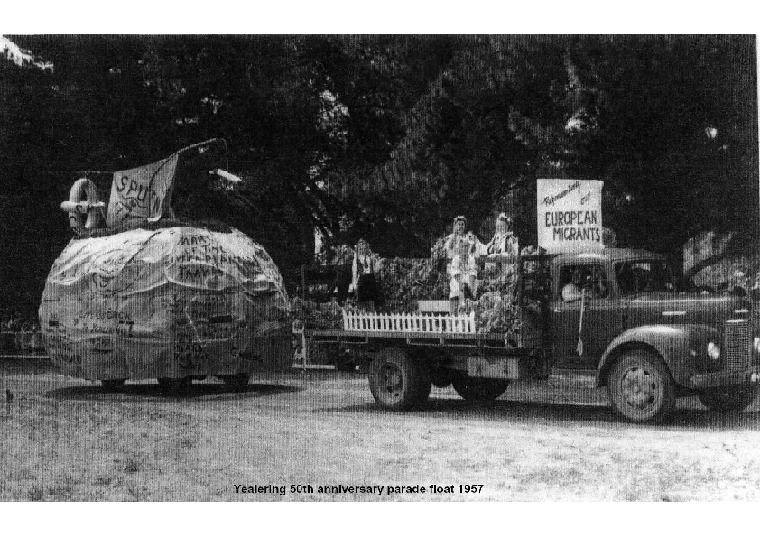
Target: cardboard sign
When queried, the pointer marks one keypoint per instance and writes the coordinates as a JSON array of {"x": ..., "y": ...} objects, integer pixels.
[
  {"x": 141, "y": 193},
  {"x": 145, "y": 193},
  {"x": 569, "y": 215}
]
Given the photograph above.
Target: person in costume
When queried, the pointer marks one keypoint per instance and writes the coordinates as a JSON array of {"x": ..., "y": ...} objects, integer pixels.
[
  {"x": 462, "y": 248},
  {"x": 504, "y": 241},
  {"x": 364, "y": 284}
]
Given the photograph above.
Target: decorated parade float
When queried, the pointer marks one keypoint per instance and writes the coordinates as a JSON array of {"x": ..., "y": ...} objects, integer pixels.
[
  {"x": 141, "y": 294},
  {"x": 501, "y": 302},
  {"x": 575, "y": 312},
  {"x": 415, "y": 288}
]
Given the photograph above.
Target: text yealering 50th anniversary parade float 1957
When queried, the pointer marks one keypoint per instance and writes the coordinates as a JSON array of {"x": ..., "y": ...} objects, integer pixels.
[{"x": 376, "y": 490}]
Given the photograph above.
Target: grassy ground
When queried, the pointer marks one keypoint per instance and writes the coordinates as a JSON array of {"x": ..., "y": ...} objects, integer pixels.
[{"x": 63, "y": 439}]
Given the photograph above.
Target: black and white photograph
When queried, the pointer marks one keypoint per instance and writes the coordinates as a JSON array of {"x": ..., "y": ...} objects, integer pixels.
[{"x": 379, "y": 267}]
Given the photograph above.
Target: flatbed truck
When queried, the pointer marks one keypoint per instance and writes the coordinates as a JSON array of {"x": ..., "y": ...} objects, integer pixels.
[{"x": 634, "y": 329}]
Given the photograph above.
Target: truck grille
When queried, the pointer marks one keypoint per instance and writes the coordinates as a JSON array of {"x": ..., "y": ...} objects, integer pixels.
[{"x": 737, "y": 344}]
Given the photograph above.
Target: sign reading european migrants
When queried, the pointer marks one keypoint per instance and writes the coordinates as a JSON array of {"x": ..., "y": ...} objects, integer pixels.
[{"x": 569, "y": 215}]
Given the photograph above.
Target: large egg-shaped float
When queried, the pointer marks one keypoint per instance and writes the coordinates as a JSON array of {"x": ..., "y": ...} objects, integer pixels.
[{"x": 166, "y": 301}]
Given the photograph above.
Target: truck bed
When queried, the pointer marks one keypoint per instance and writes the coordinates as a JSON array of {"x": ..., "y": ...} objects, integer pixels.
[{"x": 359, "y": 337}]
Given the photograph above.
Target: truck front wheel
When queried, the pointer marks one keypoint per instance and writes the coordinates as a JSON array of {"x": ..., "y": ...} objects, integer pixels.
[
  {"x": 479, "y": 390},
  {"x": 641, "y": 388},
  {"x": 397, "y": 380},
  {"x": 728, "y": 399}
]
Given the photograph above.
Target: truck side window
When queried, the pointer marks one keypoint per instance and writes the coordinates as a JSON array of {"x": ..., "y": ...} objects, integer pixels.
[
  {"x": 570, "y": 283},
  {"x": 599, "y": 286},
  {"x": 576, "y": 278},
  {"x": 628, "y": 280},
  {"x": 643, "y": 276}
]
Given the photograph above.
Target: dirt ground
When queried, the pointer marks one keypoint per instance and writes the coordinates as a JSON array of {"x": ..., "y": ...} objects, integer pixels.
[{"x": 64, "y": 439}]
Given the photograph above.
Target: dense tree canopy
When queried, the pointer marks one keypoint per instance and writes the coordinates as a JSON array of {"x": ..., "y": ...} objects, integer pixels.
[{"x": 399, "y": 134}]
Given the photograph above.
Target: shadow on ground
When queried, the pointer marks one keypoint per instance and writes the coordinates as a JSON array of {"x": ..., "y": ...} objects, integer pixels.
[
  {"x": 148, "y": 391},
  {"x": 547, "y": 413}
]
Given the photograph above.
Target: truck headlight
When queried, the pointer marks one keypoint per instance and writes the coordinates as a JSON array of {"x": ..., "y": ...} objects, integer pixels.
[{"x": 713, "y": 351}]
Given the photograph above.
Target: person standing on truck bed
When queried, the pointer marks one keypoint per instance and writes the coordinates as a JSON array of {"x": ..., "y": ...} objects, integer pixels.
[
  {"x": 504, "y": 241},
  {"x": 502, "y": 251},
  {"x": 364, "y": 283},
  {"x": 461, "y": 248}
]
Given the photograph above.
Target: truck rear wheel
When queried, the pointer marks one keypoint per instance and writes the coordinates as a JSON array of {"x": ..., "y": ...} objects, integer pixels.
[
  {"x": 397, "y": 380},
  {"x": 480, "y": 390},
  {"x": 641, "y": 388},
  {"x": 728, "y": 399}
]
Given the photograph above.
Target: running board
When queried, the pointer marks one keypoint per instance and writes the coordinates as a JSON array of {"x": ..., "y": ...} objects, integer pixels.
[{"x": 576, "y": 378}]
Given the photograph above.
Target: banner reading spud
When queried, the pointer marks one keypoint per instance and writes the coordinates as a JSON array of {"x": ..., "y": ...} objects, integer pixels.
[{"x": 569, "y": 215}]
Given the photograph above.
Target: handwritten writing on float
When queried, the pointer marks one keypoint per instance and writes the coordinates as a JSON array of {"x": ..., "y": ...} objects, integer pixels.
[
  {"x": 569, "y": 215},
  {"x": 141, "y": 193}
]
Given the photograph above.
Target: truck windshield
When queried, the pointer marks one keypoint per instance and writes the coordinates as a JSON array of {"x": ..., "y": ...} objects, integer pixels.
[{"x": 643, "y": 276}]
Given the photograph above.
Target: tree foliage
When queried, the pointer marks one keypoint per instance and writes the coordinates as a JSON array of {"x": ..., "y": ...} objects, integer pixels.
[
  {"x": 635, "y": 112},
  {"x": 385, "y": 137}
]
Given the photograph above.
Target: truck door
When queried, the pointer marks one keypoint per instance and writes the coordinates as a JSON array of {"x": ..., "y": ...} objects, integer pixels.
[{"x": 583, "y": 287}]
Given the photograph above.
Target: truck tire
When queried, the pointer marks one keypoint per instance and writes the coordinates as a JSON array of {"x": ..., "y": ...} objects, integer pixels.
[
  {"x": 236, "y": 383},
  {"x": 398, "y": 381},
  {"x": 728, "y": 399},
  {"x": 641, "y": 388},
  {"x": 479, "y": 390}
]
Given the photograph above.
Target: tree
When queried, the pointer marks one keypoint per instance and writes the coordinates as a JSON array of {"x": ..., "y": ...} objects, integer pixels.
[{"x": 399, "y": 134}]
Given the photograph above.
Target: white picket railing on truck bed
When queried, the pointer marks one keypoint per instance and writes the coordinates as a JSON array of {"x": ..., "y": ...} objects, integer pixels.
[{"x": 409, "y": 322}]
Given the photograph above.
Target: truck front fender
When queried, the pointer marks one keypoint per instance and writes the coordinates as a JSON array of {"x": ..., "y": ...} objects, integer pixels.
[{"x": 681, "y": 347}]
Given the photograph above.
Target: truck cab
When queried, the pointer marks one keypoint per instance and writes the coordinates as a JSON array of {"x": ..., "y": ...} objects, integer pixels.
[{"x": 622, "y": 313}]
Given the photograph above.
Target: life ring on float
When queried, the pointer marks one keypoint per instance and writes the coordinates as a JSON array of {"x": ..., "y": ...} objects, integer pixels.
[{"x": 83, "y": 202}]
